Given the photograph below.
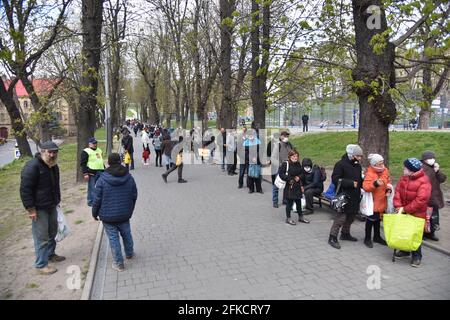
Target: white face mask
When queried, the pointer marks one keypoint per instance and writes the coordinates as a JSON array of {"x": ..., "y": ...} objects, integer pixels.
[
  {"x": 285, "y": 139},
  {"x": 430, "y": 161},
  {"x": 308, "y": 169}
]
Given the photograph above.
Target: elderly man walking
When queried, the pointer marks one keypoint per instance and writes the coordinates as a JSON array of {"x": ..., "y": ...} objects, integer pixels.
[{"x": 40, "y": 194}]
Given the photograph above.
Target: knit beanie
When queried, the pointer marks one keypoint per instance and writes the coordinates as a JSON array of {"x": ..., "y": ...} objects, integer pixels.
[
  {"x": 354, "y": 150},
  {"x": 374, "y": 158},
  {"x": 114, "y": 158},
  {"x": 428, "y": 155},
  {"x": 413, "y": 164}
]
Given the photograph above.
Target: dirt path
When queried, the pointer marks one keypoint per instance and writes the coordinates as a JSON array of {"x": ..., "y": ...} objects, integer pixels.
[{"x": 18, "y": 279}]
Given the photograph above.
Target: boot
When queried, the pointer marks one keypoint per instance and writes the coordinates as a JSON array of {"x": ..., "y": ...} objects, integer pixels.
[
  {"x": 333, "y": 241},
  {"x": 368, "y": 236},
  {"x": 431, "y": 236},
  {"x": 377, "y": 237},
  {"x": 348, "y": 237}
]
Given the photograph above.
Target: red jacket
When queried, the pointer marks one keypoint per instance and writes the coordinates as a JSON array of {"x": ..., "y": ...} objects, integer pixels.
[{"x": 413, "y": 193}]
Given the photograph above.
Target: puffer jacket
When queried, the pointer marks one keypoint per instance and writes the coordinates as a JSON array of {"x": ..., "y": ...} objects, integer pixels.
[
  {"x": 378, "y": 191},
  {"x": 349, "y": 171},
  {"x": 413, "y": 193},
  {"x": 293, "y": 188},
  {"x": 436, "y": 178},
  {"x": 39, "y": 185},
  {"x": 115, "y": 195}
]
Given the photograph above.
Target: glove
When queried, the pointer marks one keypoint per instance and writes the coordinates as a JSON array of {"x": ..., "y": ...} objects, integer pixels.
[{"x": 436, "y": 167}]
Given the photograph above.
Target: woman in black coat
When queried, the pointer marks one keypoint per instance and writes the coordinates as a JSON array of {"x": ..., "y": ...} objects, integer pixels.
[
  {"x": 294, "y": 189},
  {"x": 348, "y": 172}
]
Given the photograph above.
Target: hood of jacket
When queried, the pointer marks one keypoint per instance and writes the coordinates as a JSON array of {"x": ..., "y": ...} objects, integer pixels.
[
  {"x": 116, "y": 175},
  {"x": 306, "y": 162}
]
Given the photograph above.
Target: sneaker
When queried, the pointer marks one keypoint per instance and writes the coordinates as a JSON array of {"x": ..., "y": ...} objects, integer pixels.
[
  {"x": 164, "y": 177},
  {"x": 56, "y": 258},
  {"x": 401, "y": 254},
  {"x": 118, "y": 267},
  {"x": 348, "y": 237},
  {"x": 303, "y": 220},
  {"x": 368, "y": 243},
  {"x": 291, "y": 222},
  {"x": 46, "y": 270},
  {"x": 415, "y": 263}
]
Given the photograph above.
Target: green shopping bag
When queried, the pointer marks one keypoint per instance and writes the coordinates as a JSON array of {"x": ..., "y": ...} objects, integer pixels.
[{"x": 403, "y": 231}]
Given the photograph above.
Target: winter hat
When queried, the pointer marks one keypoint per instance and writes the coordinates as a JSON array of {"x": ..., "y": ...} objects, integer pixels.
[
  {"x": 50, "y": 146},
  {"x": 354, "y": 150},
  {"x": 374, "y": 158},
  {"x": 428, "y": 155},
  {"x": 114, "y": 158},
  {"x": 413, "y": 164},
  {"x": 306, "y": 162}
]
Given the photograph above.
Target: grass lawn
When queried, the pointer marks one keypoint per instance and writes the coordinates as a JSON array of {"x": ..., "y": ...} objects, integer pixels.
[
  {"x": 12, "y": 213},
  {"x": 327, "y": 148}
]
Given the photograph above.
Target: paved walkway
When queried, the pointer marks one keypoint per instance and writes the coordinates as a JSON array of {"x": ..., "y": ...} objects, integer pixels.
[{"x": 207, "y": 239}]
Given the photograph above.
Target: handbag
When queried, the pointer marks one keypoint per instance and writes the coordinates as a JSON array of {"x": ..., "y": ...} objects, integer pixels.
[
  {"x": 179, "y": 160},
  {"x": 127, "y": 158},
  {"x": 366, "y": 204},
  {"x": 403, "y": 231},
  {"x": 280, "y": 183},
  {"x": 254, "y": 171},
  {"x": 340, "y": 199}
]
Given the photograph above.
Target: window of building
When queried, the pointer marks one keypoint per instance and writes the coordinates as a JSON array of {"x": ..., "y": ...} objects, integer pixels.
[{"x": 25, "y": 104}]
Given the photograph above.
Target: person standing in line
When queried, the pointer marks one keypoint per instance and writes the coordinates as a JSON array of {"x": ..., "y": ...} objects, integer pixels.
[
  {"x": 348, "y": 173},
  {"x": 412, "y": 194},
  {"x": 114, "y": 203},
  {"x": 127, "y": 144},
  {"x": 291, "y": 172},
  {"x": 40, "y": 194},
  {"x": 254, "y": 165},
  {"x": 92, "y": 166},
  {"x": 231, "y": 152},
  {"x": 222, "y": 143},
  {"x": 305, "y": 119},
  {"x": 243, "y": 156},
  {"x": 437, "y": 177},
  {"x": 145, "y": 138},
  {"x": 157, "y": 143},
  {"x": 178, "y": 164},
  {"x": 377, "y": 182}
]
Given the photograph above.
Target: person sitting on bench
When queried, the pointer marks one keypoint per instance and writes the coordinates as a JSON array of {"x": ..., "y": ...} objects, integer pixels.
[{"x": 312, "y": 183}]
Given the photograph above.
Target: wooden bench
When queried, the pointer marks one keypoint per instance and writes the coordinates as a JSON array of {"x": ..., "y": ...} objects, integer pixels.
[{"x": 319, "y": 199}]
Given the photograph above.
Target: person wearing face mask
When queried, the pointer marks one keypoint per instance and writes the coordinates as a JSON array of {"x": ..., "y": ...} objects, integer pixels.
[
  {"x": 40, "y": 194},
  {"x": 412, "y": 194},
  {"x": 312, "y": 183},
  {"x": 278, "y": 152},
  {"x": 436, "y": 176},
  {"x": 348, "y": 172},
  {"x": 376, "y": 181}
]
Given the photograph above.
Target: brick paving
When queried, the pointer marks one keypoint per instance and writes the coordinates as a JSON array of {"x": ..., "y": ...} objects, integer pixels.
[{"x": 207, "y": 239}]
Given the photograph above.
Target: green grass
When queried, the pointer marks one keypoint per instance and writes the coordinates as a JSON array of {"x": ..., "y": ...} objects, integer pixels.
[
  {"x": 100, "y": 134},
  {"x": 327, "y": 148}
]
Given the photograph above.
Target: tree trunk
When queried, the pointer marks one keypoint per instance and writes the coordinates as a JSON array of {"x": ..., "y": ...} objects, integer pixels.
[
  {"x": 226, "y": 31},
  {"x": 260, "y": 121},
  {"x": 377, "y": 110},
  {"x": 6, "y": 98},
  {"x": 154, "y": 114},
  {"x": 92, "y": 27}
]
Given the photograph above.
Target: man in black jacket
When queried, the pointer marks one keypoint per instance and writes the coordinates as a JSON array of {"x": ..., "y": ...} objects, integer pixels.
[
  {"x": 312, "y": 183},
  {"x": 305, "y": 119},
  {"x": 127, "y": 144},
  {"x": 40, "y": 194}
]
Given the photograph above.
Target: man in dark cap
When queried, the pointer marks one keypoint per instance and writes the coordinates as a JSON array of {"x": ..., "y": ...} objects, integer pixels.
[
  {"x": 436, "y": 176},
  {"x": 91, "y": 165},
  {"x": 40, "y": 194}
]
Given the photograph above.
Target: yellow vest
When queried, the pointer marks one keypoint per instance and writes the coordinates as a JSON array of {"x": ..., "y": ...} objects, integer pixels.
[{"x": 95, "y": 160}]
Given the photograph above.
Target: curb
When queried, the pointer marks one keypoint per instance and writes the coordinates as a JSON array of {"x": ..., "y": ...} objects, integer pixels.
[
  {"x": 425, "y": 243},
  {"x": 86, "y": 295}
]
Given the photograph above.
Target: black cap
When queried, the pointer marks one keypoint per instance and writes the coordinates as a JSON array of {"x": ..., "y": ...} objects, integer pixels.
[{"x": 49, "y": 145}]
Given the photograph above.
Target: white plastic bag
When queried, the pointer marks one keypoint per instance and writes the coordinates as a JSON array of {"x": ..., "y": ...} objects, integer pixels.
[
  {"x": 294, "y": 206},
  {"x": 390, "y": 203},
  {"x": 63, "y": 227},
  {"x": 366, "y": 204}
]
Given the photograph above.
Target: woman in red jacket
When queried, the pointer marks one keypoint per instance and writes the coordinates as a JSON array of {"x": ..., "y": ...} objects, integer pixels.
[
  {"x": 378, "y": 182},
  {"x": 412, "y": 193}
]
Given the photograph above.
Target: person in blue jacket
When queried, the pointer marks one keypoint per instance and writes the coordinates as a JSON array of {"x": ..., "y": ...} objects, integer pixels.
[{"x": 114, "y": 201}]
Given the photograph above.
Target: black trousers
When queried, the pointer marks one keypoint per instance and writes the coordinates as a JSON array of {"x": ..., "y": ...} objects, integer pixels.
[
  {"x": 305, "y": 127},
  {"x": 158, "y": 156},
  {"x": 252, "y": 182},
  {"x": 180, "y": 171},
  {"x": 309, "y": 196},
  {"x": 290, "y": 204}
]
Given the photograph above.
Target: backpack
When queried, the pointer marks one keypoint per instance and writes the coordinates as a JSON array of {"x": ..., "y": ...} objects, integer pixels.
[{"x": 323, "y": 172}]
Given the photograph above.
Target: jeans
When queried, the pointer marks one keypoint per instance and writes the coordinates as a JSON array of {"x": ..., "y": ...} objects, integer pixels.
[
  {"x": 242, "y": 169},
  {"x": 112, "y": 230},
  {"x": 91, "y": 188},
  {"x": 275, "y": 191},
  {"x": 44, "y": 231}
]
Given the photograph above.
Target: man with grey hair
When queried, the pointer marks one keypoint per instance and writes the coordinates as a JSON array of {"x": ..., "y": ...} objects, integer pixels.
[
  {"x": 348, "y": 174},
  {"x": 40, "y": 194}
]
